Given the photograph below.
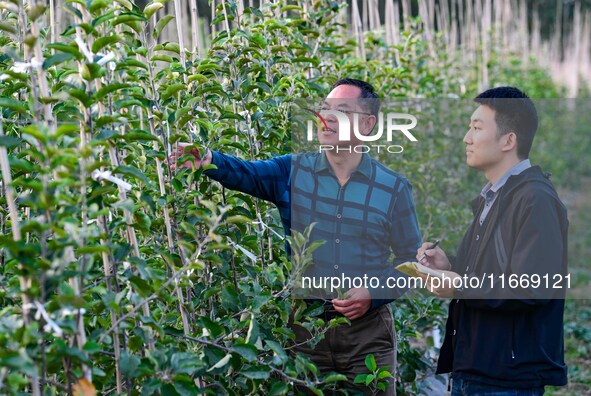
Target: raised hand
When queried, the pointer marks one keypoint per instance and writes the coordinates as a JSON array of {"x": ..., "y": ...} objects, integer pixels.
[
  {"x": 183, "y": 149},
  {"x": 433, "y": 258}
]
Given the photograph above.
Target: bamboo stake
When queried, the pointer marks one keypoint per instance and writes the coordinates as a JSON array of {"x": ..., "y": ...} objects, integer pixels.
[
  {"x": 113, "y": 313},
  {"x": 196, "y": 29},
  {"x": 48, "y": 116},
  {"x": 358, "y": 31},
  {"x": 406, "y": 13},
  {"x": 398, "y": 26},
  {"x": 213, "y": 27},
  {"x": 226, "y": 20},
  {"x": 17, "y": 237},
  {"x": 179, "y": 28},
  {"x": 14, "y": 218},
  {"x": 497, "y": 24},
  {"x": 52, "y": 26},
  {"x": 486, "y": 18},
  {"x": 161, "y": 182},
  {"x": 507, "y": 18},
  {"x": 365, "y": 26},
  {"x": 454, "y": 27},
  {"x": 585, "y": 63},
  {"x": 427, "y": 25},
  {"x": 389, "y": 23}
]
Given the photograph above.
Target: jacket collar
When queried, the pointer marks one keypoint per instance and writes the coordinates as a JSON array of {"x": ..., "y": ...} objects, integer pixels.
[{"x": 532, "y": 174}]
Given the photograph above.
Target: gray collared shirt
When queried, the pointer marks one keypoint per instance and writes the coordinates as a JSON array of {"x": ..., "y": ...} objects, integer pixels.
[{"x": 490, "y": 191}]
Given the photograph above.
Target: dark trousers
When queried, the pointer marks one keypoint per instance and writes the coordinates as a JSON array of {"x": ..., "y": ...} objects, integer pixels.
[
  {"x": 344, "y": 348},
  {"x": 470, "y": 388}
]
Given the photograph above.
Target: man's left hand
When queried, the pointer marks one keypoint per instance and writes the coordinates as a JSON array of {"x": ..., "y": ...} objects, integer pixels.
[{"x": 356, "y": 304}]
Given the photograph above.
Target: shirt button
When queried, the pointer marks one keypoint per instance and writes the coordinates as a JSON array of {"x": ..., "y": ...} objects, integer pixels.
[
  {"x": 454, "y": 332},
  {"x": 478, "y": 237},
  {"x": 338, "y": 216},
  {"x": 336, "y": 267},
  {"x": 337, "y": 240}
]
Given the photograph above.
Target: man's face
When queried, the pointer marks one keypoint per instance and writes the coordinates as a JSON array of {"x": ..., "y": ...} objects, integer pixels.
[
  {"x": 483, "y": 146},
  {"x": 342, "y": 98}
]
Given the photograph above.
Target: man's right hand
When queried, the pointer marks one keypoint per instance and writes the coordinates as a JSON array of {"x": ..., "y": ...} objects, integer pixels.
[
  {"x": 183, "y": 149},
  {"x": 433, "y": 258}
]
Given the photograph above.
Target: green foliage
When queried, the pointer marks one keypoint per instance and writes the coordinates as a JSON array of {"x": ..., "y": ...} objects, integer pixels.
[
  {"x": 175, "y": 285},
  {"x": 376, "y": 380}
]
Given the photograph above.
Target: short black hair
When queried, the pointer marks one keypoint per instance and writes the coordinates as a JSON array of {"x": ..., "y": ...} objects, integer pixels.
[
  {"x": 514, "y": 112},
  {"x": 367, "y": 92}
]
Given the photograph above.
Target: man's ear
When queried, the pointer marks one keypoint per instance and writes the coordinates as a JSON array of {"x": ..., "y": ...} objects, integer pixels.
[
  {"x": 368, "y": 124},
  {"x": 509, "y": 141}
]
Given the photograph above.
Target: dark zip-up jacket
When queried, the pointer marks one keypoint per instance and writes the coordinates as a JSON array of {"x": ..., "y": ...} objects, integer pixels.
[{"x": 504, "y": 336}]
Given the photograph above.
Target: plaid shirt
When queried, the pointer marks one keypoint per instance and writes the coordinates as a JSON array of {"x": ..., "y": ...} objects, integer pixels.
[{"x": 362, "y": 222}]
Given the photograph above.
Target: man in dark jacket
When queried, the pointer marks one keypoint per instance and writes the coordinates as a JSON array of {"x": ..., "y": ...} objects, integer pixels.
[{"x": 504, "y": 333}]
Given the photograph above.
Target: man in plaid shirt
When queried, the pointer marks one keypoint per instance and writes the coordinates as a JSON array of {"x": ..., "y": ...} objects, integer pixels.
[{"x": 363, "y": 211}]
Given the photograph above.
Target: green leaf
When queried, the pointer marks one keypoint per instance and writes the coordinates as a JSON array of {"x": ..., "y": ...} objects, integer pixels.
[
  {"x": 369, "y": 379},
  {"x": 142, "y": 287},
  {"x": 161, "y": 24},
  {"x": 335, "y": 377},
  {"x": 186, "y": 388},
  {"x": 253, "y": 333},
  {"x": 18, "y": 361},
  {"x": 125, "y": 3},
  {"x": 139, "y": 136},
  {"x": 172, "y": 90},
  {"x": 9, "y": 6},
  {"x": 291, "y": 8},
  {"x": 129, "y": 19},
  {"x": 36, "y": 132},
  {"x": 81, "y": 95},
  {"x": 384, "y": 374},
  {"x": 70, "y": 49},
  {"x": 257, "y": 373},
  {"x": 133, "y": 172},
  {"x": 9, "y": 141},
  {"x": 90, "y": 71},
  {"x": 92, "y": 249},
  {"x": 370, "y": 362},
  {"x": 98, "y": 5},
  {"x": 221, "y": 363},
  {"x": 107, "y": 89},
  {"x": 12, "y": 104},
  {"x": 162, "y": 58},
  {"x": 57, "y": 59},
  {"x": 17, "y": 164},
  {"x": 212, "y": 327},
  {"x": 67, "y": 129},
  {"x": 104, "y": 18},
  {"x": 278, "y": 389},
  {"x": 131, "y": 62},
  {"x": 102, "y": 42},
  {"x": 360, "y": 379},
  {"x": 129, "y": 364},
  {"x": 278, "y": 349},
  {"x": 36, "y": 10},
  {"x": 7, "y": 27},
  {"x": 247, "y": 351},
  {"x": 152, "y": 8},
  {"x": 91, "y": 347}
]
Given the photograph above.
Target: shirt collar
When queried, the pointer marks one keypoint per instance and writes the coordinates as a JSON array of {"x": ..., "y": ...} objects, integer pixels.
[
  {"x": 364, "y": 166},
  {"x": 491, "y": 189}
]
